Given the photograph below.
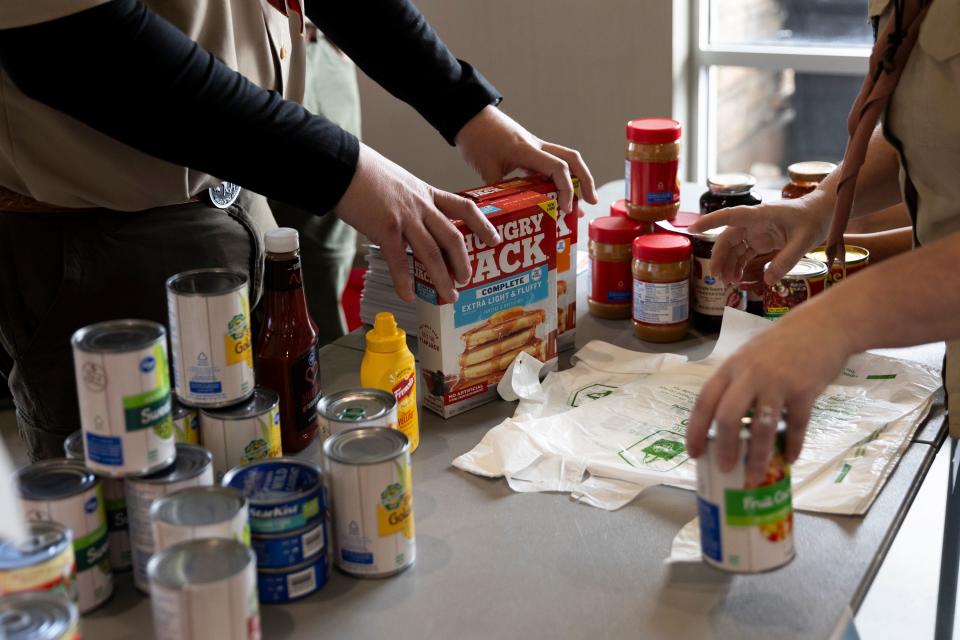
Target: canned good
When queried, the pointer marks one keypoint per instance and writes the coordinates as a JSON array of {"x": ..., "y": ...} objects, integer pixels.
[
  {"x": 186, "y": 423},
  {"x": 200, "y": 512},
  {"x": 805, "y": 280},
  {"x": 43, "y": 562},
  {"x": 38, "y": 615},
  {"x": 745, "y": 530},
  {"x": 361, "y": 407},
  {"x": 193, "y": 468},
  {"x": 115, "y": 505},
  {"x": 205, "y": 589},
  {"x": 292, "y": 583},
  {"x": 63, "y": 491},
  {"x": 209, "y": 313},
  {"x": 371, "y": 489},
  {"x": 285, "y": 494},
  {"x": 243, "y": 433},
  {"x": 124, "y": 390},
  {"x": 856, "y": 258},
  {"x": 287, "y": 549}
]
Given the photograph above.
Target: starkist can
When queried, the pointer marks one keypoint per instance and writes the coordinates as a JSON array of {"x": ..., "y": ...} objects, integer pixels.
[
  {"x": 123, "y": 386},
  {"x": 243, "y": 433},
  {"x": 287, "y": 584},
  {"x": 209, "y": 313},
  {"x": 285, "y": 494}
]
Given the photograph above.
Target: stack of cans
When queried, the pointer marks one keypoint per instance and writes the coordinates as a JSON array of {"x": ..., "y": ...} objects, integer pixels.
[{"x": 288, "y": 525}]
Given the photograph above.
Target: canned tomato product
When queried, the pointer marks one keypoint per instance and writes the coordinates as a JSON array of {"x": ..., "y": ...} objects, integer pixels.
[
  {"x": 192, "y": 468},
  {"x": 745, "y": 530},
  {"x": 243, "y": 433},
  {"x": 205, "y": 590},
  {"x": 285, "y": 494},
  {"x": 371, "y": 490},
  {"x": 361, "y": 407},
  {"x": 114, "y": 503},
  {"x": 805, "y": 280},
  {"x": 856, "y": 258},
  {"x": 124, "y": 390},
  {"x": 38, "y": 615},
  {"x": 42, "y": 562},
  {"x": 277, "y": 550},
  {"x": 199, "y": 512},
  {"x": 64, "y": 491},
  {"x": 186, "y": 423},
  {"x": 292, "y": 583},
  {"x": 210, "y": 337}
]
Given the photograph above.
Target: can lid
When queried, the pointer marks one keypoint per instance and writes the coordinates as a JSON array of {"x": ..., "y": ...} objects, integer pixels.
[
  {"x": 810, "y": 171},
  {"x": 275, "y": 479},
  {"x": 198, "y": 506},
  {"x": 618, "y": 208},
  {"x": 366, "y": 445},
  {"x": 614, "y": 229},
  {"x": 118, "y": 336},
  {"x": 661, "y": 247},
  {"x": 852, "y": 254},
  {"x": 653, "y": 130},
  {"x": 804, "y": 269},
  {"x": 386, "y": 336},
  {"x": 262, "y": 401},
  {"x": 73, "y": 446},
  {"x": 353, "y": 405},
  {"x": 731, "y": 184},
  {"x": 282, "y": 240},
  {"x": 190, "y": 462},
  {"x": 54, "y": 479},
  {"x": 36, "y": 615},
  {"x": 44, "y": 540},
  {"x": 206, "y": 282},
  {"x": 200, "y": 561}
]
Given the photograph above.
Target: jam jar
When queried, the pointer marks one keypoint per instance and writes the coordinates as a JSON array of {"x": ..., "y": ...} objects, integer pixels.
[
  {"x": 710, "y": 296},
  {"x": 661, "y": 287},
  {"x": 611, "y": 239},
  {"x": 729, "y": 190},
  {"x": 804, "y": 177},
  {"x": 652, "y": 162}
]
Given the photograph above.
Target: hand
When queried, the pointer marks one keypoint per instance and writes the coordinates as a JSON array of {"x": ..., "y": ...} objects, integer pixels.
[
  {"x": 776, "y": 370},
  {"x": 393, "y": 207},
  {"x": 781, "y": 232},
  {"x": 493, "y": 144}
]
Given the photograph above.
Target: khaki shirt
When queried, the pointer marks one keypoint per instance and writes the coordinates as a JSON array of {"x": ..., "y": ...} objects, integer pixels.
[
  {"x": 924, "y": 116},
  {"x": 55, "y": 159}
]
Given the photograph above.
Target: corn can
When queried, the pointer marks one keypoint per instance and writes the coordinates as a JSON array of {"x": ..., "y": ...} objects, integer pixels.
[
  {"x": 186, "y": 423},
  {"x": 361, "y": 407},
  {"x": 43, "y": 562},
  {"x": 38, "y": 615},
  {"x": 244, "y": 432},
  {"x": 199, "y": 512}
]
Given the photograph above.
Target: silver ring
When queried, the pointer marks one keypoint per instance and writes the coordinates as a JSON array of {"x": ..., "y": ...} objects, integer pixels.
[{"x": 766, "y": 417}]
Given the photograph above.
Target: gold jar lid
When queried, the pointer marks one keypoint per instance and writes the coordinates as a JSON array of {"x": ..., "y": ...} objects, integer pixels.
[
  {"x": 731, "y": 184},
  {"x": 810, "y": 171}
]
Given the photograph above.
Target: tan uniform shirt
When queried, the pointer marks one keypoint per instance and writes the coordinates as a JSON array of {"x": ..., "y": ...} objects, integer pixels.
[
  {"x": 55, "y": 159},
  {"x": 924, "y": 116}
]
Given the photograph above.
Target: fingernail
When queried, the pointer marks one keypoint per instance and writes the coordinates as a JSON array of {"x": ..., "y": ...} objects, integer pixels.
[{"x": 454, "y": 296}]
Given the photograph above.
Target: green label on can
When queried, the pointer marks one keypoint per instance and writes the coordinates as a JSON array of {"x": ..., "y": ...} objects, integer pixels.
[
  {"x": 91, "y": 548},
  {"x": 116, "y": 514},
  {"x": 754, "y": 507}
]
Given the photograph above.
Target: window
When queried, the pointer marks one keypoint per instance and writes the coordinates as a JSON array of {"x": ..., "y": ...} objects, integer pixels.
[{"x": 773, "y": 83}]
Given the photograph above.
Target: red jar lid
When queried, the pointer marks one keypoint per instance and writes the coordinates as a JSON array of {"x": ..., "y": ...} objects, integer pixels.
[
  {"x": 653, "y": 130},
  {"x": 619, "y": 208},
  {"x": 614, "y": 230},
  {"x": 661, "y": 247}
]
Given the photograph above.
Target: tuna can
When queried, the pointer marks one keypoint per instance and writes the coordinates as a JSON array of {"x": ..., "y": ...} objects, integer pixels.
[
  {"x": 292, "y": 583},
  {"x": 285, "y": 494},
  {"x": 855, "y": 259},
  {"x": 745, "y": 530},
  {"x": 186, "y": 423},
  {"x": 371, "y": 489},
  {"x": 805, "y": 280},
  {"x": 199, "y": 512},
  {"x": 42, "y": 562},
  {"x": 205, "y": 590},
  {"x": 357, "y": 408},
  {"x": 123, "y": 386},
  {"x": 115, "y": 505},
  {"x": 38, "y": 615},
  {"x": 63, "y": 491},
  {"x": 243, "y": 433},
  {"x": 193, "y": 468},
  {"x": 209, "y": 313},
  {"x": 286, "y": 549}
]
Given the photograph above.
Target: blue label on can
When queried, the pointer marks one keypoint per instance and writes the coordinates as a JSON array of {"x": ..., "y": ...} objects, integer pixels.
[
  {"x": 284, "y": 496},
  {"x": 275, "y": 586},
  {"x": 105, "y": 449},
  {"x": 710, "y": 542},
  {"x": 356, "y": 557},
  {"x": 288, "y": 550},
  {"x": 205, "y": 387}
]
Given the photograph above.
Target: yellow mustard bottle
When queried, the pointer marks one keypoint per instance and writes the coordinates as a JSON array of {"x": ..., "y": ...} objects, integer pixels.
[{"x": 389, "y": 365}]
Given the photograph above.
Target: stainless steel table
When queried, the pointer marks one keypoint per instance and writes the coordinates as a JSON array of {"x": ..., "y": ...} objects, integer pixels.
[{"x": 497, "y": 564}]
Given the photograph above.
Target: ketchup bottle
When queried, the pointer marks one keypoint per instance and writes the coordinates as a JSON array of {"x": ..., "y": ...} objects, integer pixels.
[{"x": 286, "y": 350}]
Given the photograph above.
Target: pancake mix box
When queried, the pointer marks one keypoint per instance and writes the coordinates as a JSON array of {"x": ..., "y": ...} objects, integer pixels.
[
  {"x": 509, "y": 306},
  {"x": 566, "y": 244}
]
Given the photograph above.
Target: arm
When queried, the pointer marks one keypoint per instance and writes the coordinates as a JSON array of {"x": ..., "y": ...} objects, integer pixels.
[{"x": 883, "y": 244}]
